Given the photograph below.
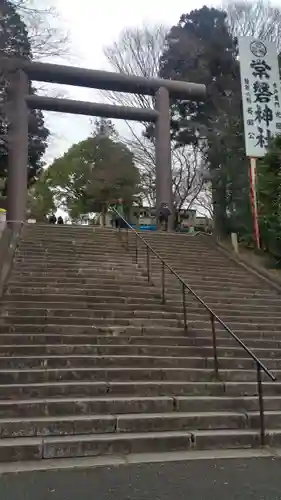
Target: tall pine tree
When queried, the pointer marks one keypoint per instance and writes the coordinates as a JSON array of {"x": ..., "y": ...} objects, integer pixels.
[{"x": 201, "y": 49}]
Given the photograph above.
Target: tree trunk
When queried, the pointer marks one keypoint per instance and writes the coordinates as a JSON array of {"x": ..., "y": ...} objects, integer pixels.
[{"x": 220, "y": 215}]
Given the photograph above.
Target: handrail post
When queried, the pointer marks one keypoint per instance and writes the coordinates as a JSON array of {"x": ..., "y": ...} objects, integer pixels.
[
  {"x": 215, "y": 350},
  {"x": 184, "y": 307},
  {"x": 137, "y": 249},
  {"x": 163, "y": 283},
  {"x": 127, "y": 237},
  {"x": 148, "y": 264},
  {"x": 261, "y": 404}
]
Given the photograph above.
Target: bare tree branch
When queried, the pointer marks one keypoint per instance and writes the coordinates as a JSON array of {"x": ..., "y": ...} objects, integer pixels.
[
  {"x": 137, "y": 52},
  {"x": 260, "y": 19},
  {"x": 47, "y": 37},
  {"x": 204, "y": 202}
]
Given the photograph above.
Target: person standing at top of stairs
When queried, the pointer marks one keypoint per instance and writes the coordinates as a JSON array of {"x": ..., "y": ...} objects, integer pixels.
[
  {"x": 164, "y": 213},
  {"x": 117, "y": 218}
]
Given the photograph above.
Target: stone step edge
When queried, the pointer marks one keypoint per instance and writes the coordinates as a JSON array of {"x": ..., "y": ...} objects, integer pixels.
[
  {"x": 173, "y": 303},
  {"x": 144, "y": 383},
  {"x": 120, "y": 346},
  {"x": 135, "y": 416},
  {"x": 207, "y": 371},
  {"x": 45, "y": 448},
  {"x": 224, "y": 385},
  {"x": 134, "y": 357},
  {"x": 141, "y": 399},
  {"x": 129, "y": 309},
  {"x": 131, "y": 321},
  {"x": 125, "y": 331},
  {"x": 101, "y": 333}
]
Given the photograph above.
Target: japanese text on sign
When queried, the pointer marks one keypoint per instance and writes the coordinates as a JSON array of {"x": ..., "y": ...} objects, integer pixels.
[{"x": 260, "y": 93}]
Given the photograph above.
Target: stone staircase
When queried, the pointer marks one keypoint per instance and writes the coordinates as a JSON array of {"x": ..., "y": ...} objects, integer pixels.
[{"x": 91, "y": 362}]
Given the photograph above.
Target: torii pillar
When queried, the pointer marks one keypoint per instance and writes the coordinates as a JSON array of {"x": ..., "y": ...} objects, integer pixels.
[
  {"x": 17, "y": 147},
  {"x": 164, "y": 192}
]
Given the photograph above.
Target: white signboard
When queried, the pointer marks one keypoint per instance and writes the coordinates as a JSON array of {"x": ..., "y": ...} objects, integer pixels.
[{"x": 260, "y": 93}]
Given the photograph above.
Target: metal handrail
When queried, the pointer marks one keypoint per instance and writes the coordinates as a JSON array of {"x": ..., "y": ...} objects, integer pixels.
[{"x": 213, "y": 317}]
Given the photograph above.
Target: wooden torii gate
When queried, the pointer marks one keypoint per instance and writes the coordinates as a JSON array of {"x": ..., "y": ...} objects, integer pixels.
[{"x": 20, "y": 101}]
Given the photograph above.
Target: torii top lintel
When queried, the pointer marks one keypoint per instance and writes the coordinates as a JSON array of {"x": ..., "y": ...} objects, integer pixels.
[{"x": 118, "y": 82}]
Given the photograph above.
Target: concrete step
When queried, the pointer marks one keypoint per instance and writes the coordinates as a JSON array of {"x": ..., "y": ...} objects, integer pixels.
[
  {"x": 60, "y": 236},
  {"x": 90, "y": 321},
  {"x": 226, "y": 390},
  {"x": 86, "y": 280},
  {"x": 236, "y": 302},
  {"x": 11, "y": 376},
  {"x": 252, "y": 342},
  {"x": 247, "y": 405},
  {"x": 232, "y": 439},
  {"x": 129, "y": 312},
  {"x": 76, "y": 261},
  {"x": 68, "y": 245},
  {"x": 119, "y": 361},
  {"x": 150, "y": 297},
  {"x": 120, "y": 347},
  {"x": 237, "y": 292},
  {"x": 57, "y": 254},
  {"x": 128, "y": 290},
  {"x": 36, "y": 306},
  {"x": 65, "y": 231},
  {"x": 136, "y": 334},
  {"x": 110, "y": 345},
  {"x": 266, "y": 330},
  {"x": 107, "y": 330},
  {"x": 225, "y": 281},
  {"x": 49, "y": 407},
  {"x": 61, "y": 253},
  {"x": 127, "y": 389},
  {"x": 91, "y": 445},
  {"x": 219, "y": 289},
  {"x": 153, "y": 313},
  {"x": 134, "y": 337},
  {"x": 72, "y": 271},
  {"x": 213, "y": 409},
  {"x": 124, "y": 423},
  {"x": 245, "y": 308},
  {"x": 76, "y": 270},
  {"x": 45, "y": 240},
  {"x": 102, "y": 286},
  {"x": 124, "y": 443},
  {"x": 208, "y": 273},
  {"x": 249, "y": 306},
  {"x": 196, "y": 328}
]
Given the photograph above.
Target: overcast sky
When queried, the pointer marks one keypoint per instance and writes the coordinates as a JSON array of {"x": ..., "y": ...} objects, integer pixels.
[{"x": 93, "y": 25}]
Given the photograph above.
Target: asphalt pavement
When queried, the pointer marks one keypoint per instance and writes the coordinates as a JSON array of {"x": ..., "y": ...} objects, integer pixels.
[{"x": 227, "y": 479}]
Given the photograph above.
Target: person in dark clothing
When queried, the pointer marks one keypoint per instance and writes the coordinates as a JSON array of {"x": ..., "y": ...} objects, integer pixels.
[
  {"x": 52, "y": 219},
  {"x": 118, "y": 221},
  {"x": 163, "y": 216},
  {"x": 60, "y": 220}
]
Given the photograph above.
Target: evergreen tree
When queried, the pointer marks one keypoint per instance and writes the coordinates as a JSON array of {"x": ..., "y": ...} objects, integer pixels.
[
  {"x": 14, "y": 41},
  {"x": 201, "y": 49},
  {"x": 269, "y": 198},
  {"x": 94, "y": 173}
]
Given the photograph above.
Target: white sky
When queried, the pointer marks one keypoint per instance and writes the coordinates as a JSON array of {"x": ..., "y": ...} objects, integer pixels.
[{"x": 93, "y": 25}]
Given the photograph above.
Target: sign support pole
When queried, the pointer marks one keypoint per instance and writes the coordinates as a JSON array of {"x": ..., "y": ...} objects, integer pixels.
[{"x": 253, "y": 200}]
